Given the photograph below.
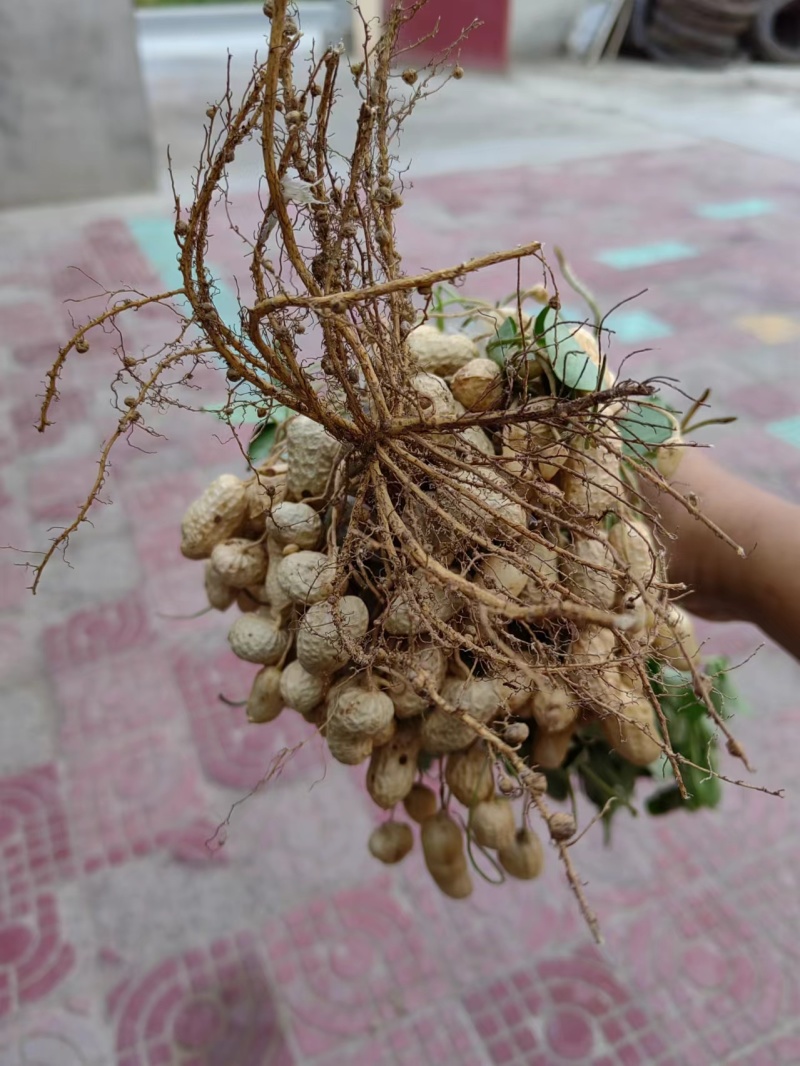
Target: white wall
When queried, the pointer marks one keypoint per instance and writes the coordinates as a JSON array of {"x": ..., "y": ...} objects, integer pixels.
[
  {"x": 73, "y": 120},
  {"x": 540, "y": 27}
]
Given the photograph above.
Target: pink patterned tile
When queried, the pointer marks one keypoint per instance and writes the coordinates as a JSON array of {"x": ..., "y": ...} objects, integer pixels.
[
  {"x": 29, "y": 322},
  {"x": 35, "y": 846},
  {"x": 159, "y": 501},
  {"x": 207, "y": 1007},
  {"x": 348, "y": 963},
  {"x": 107, "y": 700},
  {"x": 126, "y": 798},
  {"x": 58, "y": 488},
  {"x": 34, "y": 959},
  {"x": 96, "y": 632},
  {"x": 15, "y": 578},
  {"x": 68, "y": 411},
  {"x": 703, "y": 966},
  {"x": 158, "y": 548},
  {"x": 18, "y": 650},
  {"x": 55, "y": 1037},
  {"x": 536, "y": 915},
  {"x": 767, "y": 890},
  {"x": 118, "y": 259},
  {"x": 26, "y": 728},
  {"x": 561, "y": 1010},
  {"x": 431, "y": 1038},
  {"x": 233, "y": 751},
  {"x": 312, "y": 840}
]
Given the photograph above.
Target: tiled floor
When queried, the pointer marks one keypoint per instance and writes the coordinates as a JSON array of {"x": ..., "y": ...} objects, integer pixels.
[{"x": 133, "y": 934}]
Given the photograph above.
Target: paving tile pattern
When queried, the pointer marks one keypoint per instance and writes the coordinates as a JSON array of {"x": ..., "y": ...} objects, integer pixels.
[{"x": 132, "y": 933}]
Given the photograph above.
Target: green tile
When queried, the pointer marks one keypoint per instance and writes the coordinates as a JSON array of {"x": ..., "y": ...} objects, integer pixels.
[
  {"x": 642, "y": 255},
  {"x": 786, "y": 429},
  {"x": 736, "y": 209}
]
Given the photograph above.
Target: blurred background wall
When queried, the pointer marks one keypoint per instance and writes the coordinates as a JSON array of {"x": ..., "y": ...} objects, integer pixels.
[{"x": 73, "y": 117}]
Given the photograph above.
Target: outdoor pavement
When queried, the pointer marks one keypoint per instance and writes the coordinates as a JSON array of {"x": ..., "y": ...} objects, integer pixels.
[{"x": 132, "y": 933}]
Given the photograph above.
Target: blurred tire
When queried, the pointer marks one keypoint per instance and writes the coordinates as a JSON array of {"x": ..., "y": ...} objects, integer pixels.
[{"x": 776, "y": 31}]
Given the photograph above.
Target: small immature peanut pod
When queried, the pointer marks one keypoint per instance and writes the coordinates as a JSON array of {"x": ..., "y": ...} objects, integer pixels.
[
  {"x": 478, "y": 385},
  {"x": 553, "y": 708},
  {"x": 391, "y": 842},
  {"x": 501, "y": 575},
  {"x": 421, "y": 802},
  {"x": 386, "y": 735},
  {"x": 515, "y": 733},
  {"x": 439, "y": 353},
  {"x": 256, "y": 638},
  {"x": 348, "y": 748},
  {"x": 301, "y": 691},
  {"x": 482, "y": 503},
  {"x": 435, "y": 401},
  {"x": 294, "y": 523},
  {"x": 240, "y": 562},
  {"x": 443, "y": 849},
  {"x": 306, "y": 577},
  {"x": 321, "y": 649},
  {"x": 524, "y": 858},
  {"x": 265, "y": 702},
  {"x": 357, "y": 709},
  {"x": 250, "y": 599},
  {"x": 591, "y": 577},
  {"x": 675, "y": 639},
  {"x": 534, "y": 449},
  {"x": 454, "y": 881},
  {"x": 443, "y": 731},
  {"x": 469, "y": 774},
  {"x": 220, "y": 596},
  {"x": 633, "y": 541},
  {"x": 625, "y": 737},
  {"x": 407, "y": 703},
  {"x": 593, "y": 646},
  {"x": 562, "y": 826},
  {"x": 593, "y": 484},
  {"x": 403, "y": 614},
  {"x": 542, "y": 559},
  {"x": 442, "y": 839},
  {"x": 492, "y": 824},
  {"x": 213, "y": 517},
  {"x": 264, "y": 489},
  {"x": 273, "y": 592},
  {"x": 393, "y": 767},
  {"x": 550, "y": 749},
  {"x": 311, "y": 454}
]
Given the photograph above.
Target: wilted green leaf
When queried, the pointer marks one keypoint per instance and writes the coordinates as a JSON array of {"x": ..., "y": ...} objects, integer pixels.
[
  {"x": 645, "y": 427},
  {"x": 264, "y": 437},
  {"x": 570, "y": 364},
  {"x": 507, "y": 340},
  {"x": 557, "y": 784},
  {"x": 540, "y": 324}
]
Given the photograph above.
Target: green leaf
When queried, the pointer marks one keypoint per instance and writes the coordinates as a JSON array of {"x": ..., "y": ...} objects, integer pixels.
[
  {"x": 724, "y": 693},
  {"x": 263, "y": 439},
  {"x": 557, "y": 784},
  {"x": 507, "y": 339},
  {"x": 570, "y": 364},
  {"x": 540, "y": 324},
  {"x": 646, "y": 427},
  {"x": 665, "y": 800},
  {"x": 693, "y": 736},
  {"x": 424, "y": 762}
]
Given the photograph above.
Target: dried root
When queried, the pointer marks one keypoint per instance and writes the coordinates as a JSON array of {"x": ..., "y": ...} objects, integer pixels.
[{"x": 440, "y": 556}]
